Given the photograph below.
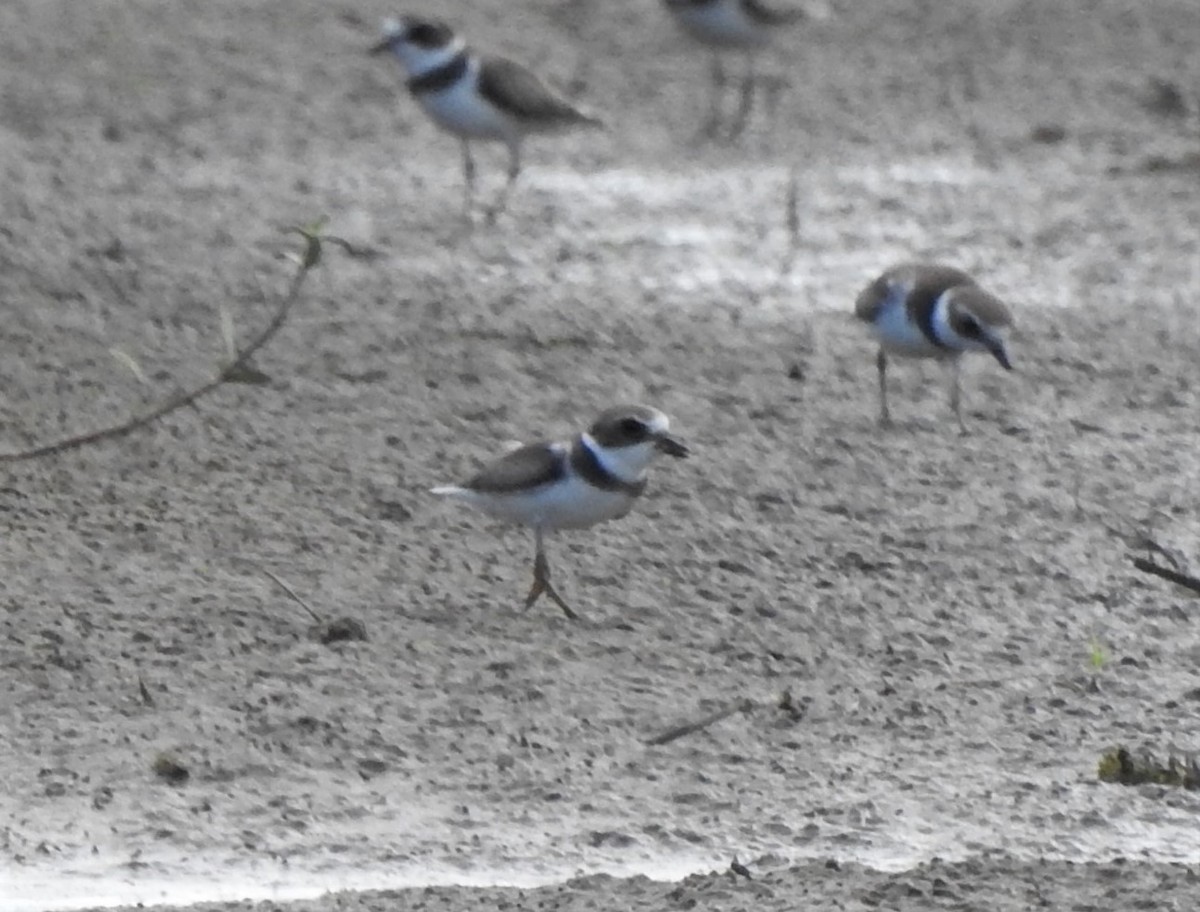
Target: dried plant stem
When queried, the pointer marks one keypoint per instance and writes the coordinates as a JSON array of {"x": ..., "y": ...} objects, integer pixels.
[
  {"x": 688, "y": 728},
  {"x": 1185, "y": 580},
  {"x": 295, "y": 598},
  {"x": 309, "y": 259}
]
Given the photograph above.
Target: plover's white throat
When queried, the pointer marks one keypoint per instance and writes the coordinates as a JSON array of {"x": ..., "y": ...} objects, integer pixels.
[
  {"x": 725, "y": 25},
  {"x": 926, "y": 310},
  {"x": 475, "y": 97},
  {"x": 552, "y": 485}
]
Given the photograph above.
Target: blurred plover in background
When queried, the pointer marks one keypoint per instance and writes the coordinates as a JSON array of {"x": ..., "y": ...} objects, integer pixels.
[
  {"x": 732, "y": 25},
  {"x": 926, "y": 310},
  {"x": 475, "y": 97},
  {"x": 574, "y": 484}
]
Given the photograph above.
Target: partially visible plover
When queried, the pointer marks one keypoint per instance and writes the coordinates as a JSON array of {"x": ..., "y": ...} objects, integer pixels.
[
  {"x": 725, "y": 25},
  {"x": 573, "y": 484},
  {"x": 926, "y": 310},
  {"x": 475, "y": 97}
]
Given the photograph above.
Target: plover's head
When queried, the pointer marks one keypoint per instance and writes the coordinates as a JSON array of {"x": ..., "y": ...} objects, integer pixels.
[
  {"x": 420, "y": 44},
  {"x": 631, "y": 436},
  {"x": 979, "y": 318}
]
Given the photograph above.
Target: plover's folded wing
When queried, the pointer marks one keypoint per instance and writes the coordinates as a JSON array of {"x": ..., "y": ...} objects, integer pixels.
[
  {"x": 871, "y": 299},
  {"x": 527, "y": 467},
  {"x": 514, "y": 88}
]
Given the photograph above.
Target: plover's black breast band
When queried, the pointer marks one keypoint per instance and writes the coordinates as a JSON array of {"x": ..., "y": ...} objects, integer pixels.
[
  {"x": 926, "y": 283},
  {"x": 921, "y": 304},
  {"x": 590, "y": 469},
  {"x": 440, "y": 77}
]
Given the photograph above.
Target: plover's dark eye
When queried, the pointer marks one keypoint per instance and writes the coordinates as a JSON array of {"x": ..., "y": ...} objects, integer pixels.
[
  {"x": 970, "y": 328},
  {"x": 632, "y": 428}
]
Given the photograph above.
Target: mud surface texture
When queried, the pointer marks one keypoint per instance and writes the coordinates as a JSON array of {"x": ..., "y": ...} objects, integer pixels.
[{"x": 954, "y": 619}]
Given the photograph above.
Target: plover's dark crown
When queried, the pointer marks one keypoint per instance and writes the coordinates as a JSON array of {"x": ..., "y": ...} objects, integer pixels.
[{"x": 425, "y": 33}]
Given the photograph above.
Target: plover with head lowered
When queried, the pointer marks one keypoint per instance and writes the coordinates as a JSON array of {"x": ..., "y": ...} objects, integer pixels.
[
  {"x": 475, "y": 97},
  {"x": 725, "y": 25},
  {"x": 927, "y": 310},
  {"x": 573, "y": 484}
]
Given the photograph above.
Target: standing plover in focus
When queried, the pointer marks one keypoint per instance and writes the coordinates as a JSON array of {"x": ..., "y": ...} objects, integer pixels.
[
  {"x": 925, "y": 310},
  {"x": 725, "y": 25},
  {"x": 475, "y": 97},
  {"x": 573, "y": 484}
]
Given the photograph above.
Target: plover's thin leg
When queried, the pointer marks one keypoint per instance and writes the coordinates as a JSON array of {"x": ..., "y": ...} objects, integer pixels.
[
  {"x": 715, "y": 90},
  {"x": 885, "y": 417},
  {"x": 514, "y": 171},
  {"x": 468, "y": 178},
  {"x": 541, "y": 579},
  {"x": 742, "y": 117},
  {"x": 956, "y": 392}
]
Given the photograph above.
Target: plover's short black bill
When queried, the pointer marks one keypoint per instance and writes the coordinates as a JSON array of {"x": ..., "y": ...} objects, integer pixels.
[
  {"x": 596, "y": 476},
  {"x": 927, "y": 310}
]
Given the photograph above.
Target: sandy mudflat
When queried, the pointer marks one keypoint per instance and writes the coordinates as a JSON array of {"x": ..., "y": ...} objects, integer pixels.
[{"x": 955, "y": 618}]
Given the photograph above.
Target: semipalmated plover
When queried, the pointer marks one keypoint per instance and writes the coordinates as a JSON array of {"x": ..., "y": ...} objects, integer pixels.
[
  {"x": 573, "y": 484},
  {"x": 475, "y": 97},
  {"x": 725, "y": 25},
  {"x": 926, "y": 310}
]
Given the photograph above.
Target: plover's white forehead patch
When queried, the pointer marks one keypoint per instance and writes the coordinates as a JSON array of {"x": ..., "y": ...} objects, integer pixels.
[
  {"x": 392, "y": 27},
  {"x": 658, "y": 423}
]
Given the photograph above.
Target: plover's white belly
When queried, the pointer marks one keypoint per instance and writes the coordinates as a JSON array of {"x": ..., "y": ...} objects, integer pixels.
[
  {"x": 460, "y": 109},
  {"x": 723, "y": 24},
  {"x": 569, "y": 504},
  {"x": 899, "y": 335}
]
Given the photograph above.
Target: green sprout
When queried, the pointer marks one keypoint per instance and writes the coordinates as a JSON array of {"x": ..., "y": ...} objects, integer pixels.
[{"x": 1097, "y": 654}]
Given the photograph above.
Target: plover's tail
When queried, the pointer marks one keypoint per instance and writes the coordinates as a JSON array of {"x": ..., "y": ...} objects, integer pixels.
[
  {"x": 456, "y": 492},
  {"x": 588, "y": 119}
]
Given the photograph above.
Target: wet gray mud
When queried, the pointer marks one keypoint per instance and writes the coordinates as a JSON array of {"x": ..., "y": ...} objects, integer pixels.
[{"x": 955, "y": 617}]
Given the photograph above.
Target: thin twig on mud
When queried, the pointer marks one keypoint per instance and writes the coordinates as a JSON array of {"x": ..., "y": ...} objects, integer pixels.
[
  {"x": 1185, "y": 580},
  {"x": 144, "y": 692},
  {"x": 310, "y": 258},
  {"x": 689, "y": 728},
  {"x": 295, "y": 598},
  {"x": 787, "y": 263},
  {"x": 793, "y": 222}
]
